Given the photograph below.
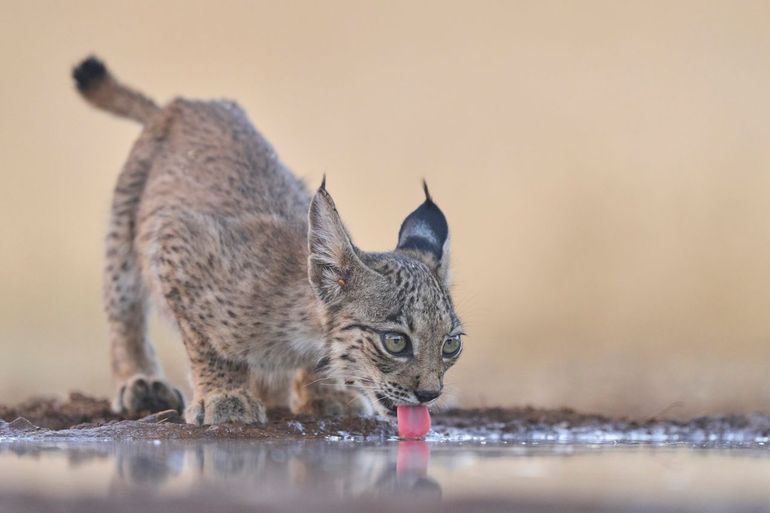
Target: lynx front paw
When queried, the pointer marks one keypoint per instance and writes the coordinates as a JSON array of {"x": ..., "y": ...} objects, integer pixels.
[
  {"x": 226, "y": 406},
  {"x": 142, "y": 395}
]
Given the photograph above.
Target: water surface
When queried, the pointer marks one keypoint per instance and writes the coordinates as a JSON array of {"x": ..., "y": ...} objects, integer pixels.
[{"x": 621, "y": 476}]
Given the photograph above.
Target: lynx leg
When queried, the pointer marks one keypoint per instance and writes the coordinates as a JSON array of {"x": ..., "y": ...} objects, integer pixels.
[
  {"x": 183, "y": 254},
  {"x": 134, "y": 364},
  {"x": 313, "y": 394},
  {"x": 221, "y": 388},
  {"x": 272, "y": 388}
]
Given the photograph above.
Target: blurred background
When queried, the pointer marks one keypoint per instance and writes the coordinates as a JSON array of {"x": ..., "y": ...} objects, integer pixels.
[{"x": 605, "y": 168}]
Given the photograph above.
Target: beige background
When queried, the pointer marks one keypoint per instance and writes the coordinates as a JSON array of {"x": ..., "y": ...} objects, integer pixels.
[{"x": 605, "y": 168}]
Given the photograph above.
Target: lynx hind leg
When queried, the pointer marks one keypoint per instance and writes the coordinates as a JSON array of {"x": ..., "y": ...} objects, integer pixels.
[
  {"x": 142, "y": 394},
  {"x": 313, "y": 394},
  {"x": 134, "y": 365}
]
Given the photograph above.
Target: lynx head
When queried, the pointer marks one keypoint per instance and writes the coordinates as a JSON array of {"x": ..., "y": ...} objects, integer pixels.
[{"x": 390, "y": 325}]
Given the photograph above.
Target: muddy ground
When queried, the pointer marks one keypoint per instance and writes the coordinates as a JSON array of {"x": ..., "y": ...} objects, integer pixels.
[{"x": 83, "y": 417}]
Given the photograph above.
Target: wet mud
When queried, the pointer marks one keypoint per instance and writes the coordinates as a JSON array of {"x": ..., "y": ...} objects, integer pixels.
[{"x": 80, "y": 417}]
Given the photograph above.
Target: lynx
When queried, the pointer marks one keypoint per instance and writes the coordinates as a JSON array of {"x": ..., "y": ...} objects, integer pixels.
[{"x": 263, "y": 281}]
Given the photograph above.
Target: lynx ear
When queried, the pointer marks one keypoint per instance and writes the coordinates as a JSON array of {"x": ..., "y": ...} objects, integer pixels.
[
  {"x": 333, "y": 264},
  {"x": 425, "y": 234}
]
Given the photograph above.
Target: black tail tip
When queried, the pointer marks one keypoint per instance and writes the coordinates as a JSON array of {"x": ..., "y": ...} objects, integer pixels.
[{"x": 89, "y": 73}]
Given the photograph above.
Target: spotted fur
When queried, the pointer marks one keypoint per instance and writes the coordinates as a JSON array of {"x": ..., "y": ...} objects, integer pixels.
[{"x": 263, "y": 281}]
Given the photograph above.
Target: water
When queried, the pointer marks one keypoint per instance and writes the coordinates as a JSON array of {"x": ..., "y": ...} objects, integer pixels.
[{"x": 594, "y": 477}]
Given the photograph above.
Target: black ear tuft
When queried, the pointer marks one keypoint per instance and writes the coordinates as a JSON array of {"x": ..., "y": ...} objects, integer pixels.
[
  {"x": 427, "y": 192},
  {"x": 425, "y": 230}
]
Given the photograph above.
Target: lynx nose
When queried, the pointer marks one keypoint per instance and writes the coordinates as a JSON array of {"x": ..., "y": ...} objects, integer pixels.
[{"x": 425, "y": 396}]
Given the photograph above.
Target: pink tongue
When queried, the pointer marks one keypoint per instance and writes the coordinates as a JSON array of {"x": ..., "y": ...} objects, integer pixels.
[{"x": 413, "y": 421}]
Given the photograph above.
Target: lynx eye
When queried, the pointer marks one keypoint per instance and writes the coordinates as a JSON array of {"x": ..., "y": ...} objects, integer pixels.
[
  {"x": 396, "y": 344},
  {"x": 452, "y": 346}
]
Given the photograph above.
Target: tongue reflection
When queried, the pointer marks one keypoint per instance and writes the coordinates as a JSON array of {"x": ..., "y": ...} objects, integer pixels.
[{"x": 413, "y": 421}]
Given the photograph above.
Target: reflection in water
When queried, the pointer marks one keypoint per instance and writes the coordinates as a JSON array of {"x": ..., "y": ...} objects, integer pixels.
[
  {"x": 266, "y": 470},
  {"x": 412, "y": 470},
  {"x": 146, "y": 466},
  {"x": 251, "y": 472}
]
